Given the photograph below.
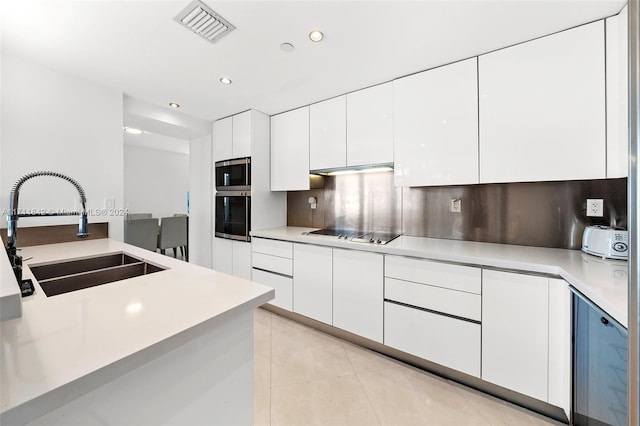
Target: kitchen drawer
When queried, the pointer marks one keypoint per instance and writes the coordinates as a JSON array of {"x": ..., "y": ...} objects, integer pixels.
[
  {"x": 276, "y": 264},
  {"x": 453, "y": 302},
  {"x": 272, "y": 247},
  {"x": 455, "y": 277},
  {"x": 451, "y": 342},
  {"x": 282, "y": 285}
]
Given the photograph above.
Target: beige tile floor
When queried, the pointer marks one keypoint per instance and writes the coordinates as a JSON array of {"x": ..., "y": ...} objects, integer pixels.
[{"x": 305, "y": 377}]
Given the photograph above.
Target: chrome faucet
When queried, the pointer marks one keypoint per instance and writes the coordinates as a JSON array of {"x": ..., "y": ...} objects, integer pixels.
[{"x": 13, "y": 214}]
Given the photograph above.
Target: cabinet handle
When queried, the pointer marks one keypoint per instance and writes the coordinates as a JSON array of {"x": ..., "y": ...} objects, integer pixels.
[{"x": 604, "y": 320}]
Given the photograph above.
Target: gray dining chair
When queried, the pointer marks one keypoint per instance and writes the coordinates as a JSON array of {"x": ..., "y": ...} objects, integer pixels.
[
  {"x": 173, "y": 234},
  {"x": 135, "y": 216},
  {"x": 141, "y": 233}
]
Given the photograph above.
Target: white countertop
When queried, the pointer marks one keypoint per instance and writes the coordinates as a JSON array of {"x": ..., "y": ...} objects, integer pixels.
[
  {"x": 10, "y": 294},
  {"x": 604, "y": 282},
  {"x": 65, "y": 338}
]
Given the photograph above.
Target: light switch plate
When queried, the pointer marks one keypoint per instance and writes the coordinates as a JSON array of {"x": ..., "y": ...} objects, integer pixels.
[{"x": 109, "y": 202}]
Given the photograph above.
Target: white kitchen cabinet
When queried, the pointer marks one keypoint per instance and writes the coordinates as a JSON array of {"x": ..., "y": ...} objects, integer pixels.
[
  {"x": 617, "y": 95},
  {"x": 328, "y": 134},
  {"x": 279, "y": 265},
  {"x": 223, "y": 139},
  {"x": 241, "y": 259},
  {"x": 542, "y": 108},
  {"x": 435, "y": 115},
  {"x": 434, "y": 298},
  {"x": 290, "y": 150},
  {"x": 370, "y": 125},
  {"x": 232, "y": 257},
  {"x": 462, "y": 278},
  {"x": 433, "y": 310},
  {"x": 268, "y": 209},
  {"x": 232, "y": 137},
  {"x": 242, "y": 135},
  {"x": 515, "y": 332},
  {"x": 247, "y": 134},
  {"x": 436, "y": 286},
  {"x": 272, "y": 255},
  {"x": 358, "y": 293},
  {"x": 223, "y": 255},
  {"x": 313, "y": 282},
  {"x": 448, "y": 341},
  {"x": 282, "y": 285},
  {"x": 272, "y": 263},
  {"x": 560, "y": 345},
  {"x": 276, "y": 248}
]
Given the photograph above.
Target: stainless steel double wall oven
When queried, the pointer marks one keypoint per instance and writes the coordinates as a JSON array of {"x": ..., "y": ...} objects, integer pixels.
[{"x": 233, "y": 199}]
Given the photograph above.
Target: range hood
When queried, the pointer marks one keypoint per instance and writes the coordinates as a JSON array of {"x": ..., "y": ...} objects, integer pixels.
[{"x": 367, "y": 168}]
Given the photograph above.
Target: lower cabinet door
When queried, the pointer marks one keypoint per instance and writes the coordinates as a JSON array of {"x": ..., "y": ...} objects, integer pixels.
[
  {"x": 358, "y": 293},
  {"x": 242, "y": 259},
  {"x": 283, "y": 286},
  {"x": 312, "y": 282},
  {"x": 515, "y": 332},
  {"x": 560, "y": 345},
  {"x": 223, "y": 255},
  {"x": 447, "y": 341}
]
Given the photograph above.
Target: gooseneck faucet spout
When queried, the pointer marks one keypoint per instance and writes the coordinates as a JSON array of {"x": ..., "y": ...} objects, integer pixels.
[{"x": 13, "y": 214}]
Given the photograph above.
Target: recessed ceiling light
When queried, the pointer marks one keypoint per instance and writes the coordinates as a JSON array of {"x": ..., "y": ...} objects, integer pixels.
[
  {"x": 174, "y": 105},
  {"x": 225, "y": 80},
  {"x": 133, "y": 130},
  {"x": 316, "y": 36},
  {"x": 287, "y": 47}
]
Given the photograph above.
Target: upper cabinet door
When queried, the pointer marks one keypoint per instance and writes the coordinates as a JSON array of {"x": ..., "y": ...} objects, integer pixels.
[
  {"x": 242, "y": 135},
  {"x": 435, "y": 115},
  {"x": 328, "y": 134},
  {"x": 542, "y": 108},
  {"x": 222, "y": 139},
  {"x": 290, "y": 150},
  {"x": 370, "y": 125},
  {"x": 617, "y": 96}
]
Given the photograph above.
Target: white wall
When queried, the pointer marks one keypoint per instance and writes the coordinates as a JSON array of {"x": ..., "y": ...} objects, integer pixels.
[
  {"x": 155, "y": 180},
  {"x": 200, "y": 186},
  {"x": 53, "y": 121}
]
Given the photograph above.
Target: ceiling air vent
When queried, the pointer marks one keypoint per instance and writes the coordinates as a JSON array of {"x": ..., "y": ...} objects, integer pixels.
[{"x": 200, "y": 19}]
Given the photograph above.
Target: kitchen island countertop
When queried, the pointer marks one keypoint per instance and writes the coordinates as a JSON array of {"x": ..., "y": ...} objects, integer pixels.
[
  {"x": 66, "y": 345},
  {"x": 604, "y": 282}
]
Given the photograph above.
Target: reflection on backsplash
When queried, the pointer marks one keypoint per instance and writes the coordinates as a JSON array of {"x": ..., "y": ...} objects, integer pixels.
[
  {"x": 544, "y": 214},
  {"x": 364, "y": 202}
]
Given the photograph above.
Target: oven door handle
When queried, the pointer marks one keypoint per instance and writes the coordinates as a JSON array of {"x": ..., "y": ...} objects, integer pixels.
[
  {"x": 233, "y": 194},
  {"x": 233, "y": 162}
]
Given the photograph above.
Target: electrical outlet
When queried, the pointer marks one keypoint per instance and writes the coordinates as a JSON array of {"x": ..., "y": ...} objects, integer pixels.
[
  {"x": 595, "y": 207},
  {"x": 456, "y": 205},
  {"x": 109, "y": 202}
]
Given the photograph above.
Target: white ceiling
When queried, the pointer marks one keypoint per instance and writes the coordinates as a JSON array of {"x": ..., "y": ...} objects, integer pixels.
[{"x": 136, "y": 47}]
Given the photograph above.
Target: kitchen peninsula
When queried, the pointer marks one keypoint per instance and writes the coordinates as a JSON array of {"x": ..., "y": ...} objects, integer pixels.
[{"x": 172, "y": 347}]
